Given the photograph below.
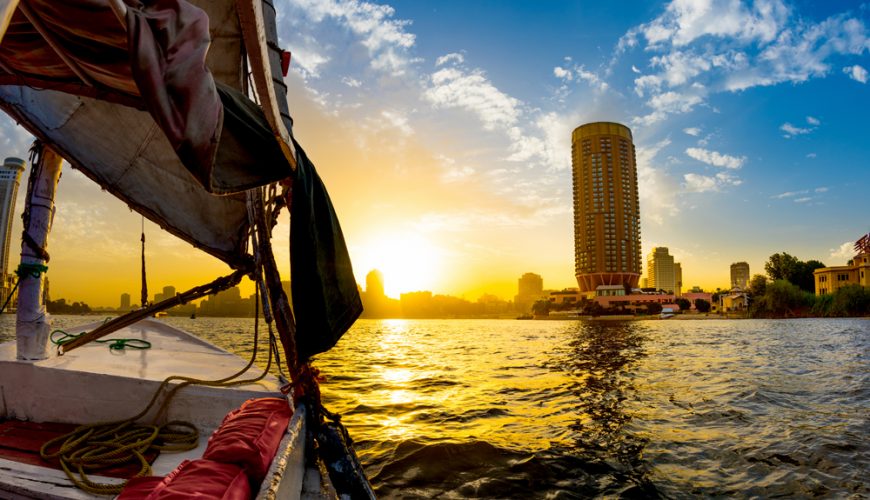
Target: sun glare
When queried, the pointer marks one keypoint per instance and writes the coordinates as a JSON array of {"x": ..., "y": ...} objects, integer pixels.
[{"x": 408, "y": 263}]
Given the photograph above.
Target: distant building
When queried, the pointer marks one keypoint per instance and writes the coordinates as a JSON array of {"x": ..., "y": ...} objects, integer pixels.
[
  {"x": 10, "y": 176},
  {"x": 228, "y": 303},
  {"x": 735, "y": 300},
  {"x": 567, "y": 296},
  {"x": 660, "y": 270},
  {"x": 375, "y": 284},
  {"x": 125, "y": 302},
  {"x": 856, "y": 272},
  {"x": 606, "y": 207},
  {"x": 678, "y": 279},
  {"x": 530, "y": 288},
  {"x": 739, "y": 275},
  {"x": 375, "y": 302}
]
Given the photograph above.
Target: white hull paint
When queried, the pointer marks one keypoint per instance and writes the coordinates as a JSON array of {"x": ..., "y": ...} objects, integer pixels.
[{"x": 93, "y": 384}]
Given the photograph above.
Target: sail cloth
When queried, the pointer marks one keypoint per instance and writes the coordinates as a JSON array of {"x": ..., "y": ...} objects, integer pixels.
[
  {"x": 138, "y": 109},
  {"x": 153, "y": 116},
  {"x": 326, "y": 299}
]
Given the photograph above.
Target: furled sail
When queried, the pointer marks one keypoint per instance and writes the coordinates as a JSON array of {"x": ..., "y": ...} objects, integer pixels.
[{"x": 138, "y": 102}]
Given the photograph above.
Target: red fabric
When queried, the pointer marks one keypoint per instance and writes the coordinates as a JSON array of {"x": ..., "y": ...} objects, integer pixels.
[
  {"x": 249, "y": 436},
  {"x": 285, "y": 62},
  {"x": 196, "y": 479},
  {"x": 98, "y": 47},
  {"x": 168, "y": 42},
  {"x": 139, "y": 487},
  {"x": 20, "y": 441}
]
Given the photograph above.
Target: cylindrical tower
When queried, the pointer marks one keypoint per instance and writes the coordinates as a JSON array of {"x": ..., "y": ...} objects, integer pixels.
[
  {"x": 606, "y": 206},
  {"x": 10, "y": 175}
]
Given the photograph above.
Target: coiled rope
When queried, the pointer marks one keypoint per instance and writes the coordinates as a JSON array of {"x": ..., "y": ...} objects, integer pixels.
[{"x": 102, "y": 445}]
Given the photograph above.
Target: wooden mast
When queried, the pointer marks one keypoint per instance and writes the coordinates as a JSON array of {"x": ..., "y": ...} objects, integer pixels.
[{"x": 33, "y": 324}]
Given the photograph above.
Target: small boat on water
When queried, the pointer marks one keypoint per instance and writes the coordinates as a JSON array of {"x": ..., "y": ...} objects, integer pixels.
[
  {"x": 667, "y": 313},
  {"x": 178, "y": 108}
]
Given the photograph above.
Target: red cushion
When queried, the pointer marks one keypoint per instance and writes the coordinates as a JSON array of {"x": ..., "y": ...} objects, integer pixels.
[
  {"x": 202, "y": 479},
  {"x": 249, "y": 436},
  {"x": 139, "y": 487}
]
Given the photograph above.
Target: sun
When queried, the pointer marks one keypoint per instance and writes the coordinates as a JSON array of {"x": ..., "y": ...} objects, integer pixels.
[{"x": 409, "y": 262}]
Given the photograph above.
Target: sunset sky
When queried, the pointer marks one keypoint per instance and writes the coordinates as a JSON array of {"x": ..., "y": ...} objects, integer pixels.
[{"x": 442, "y": 130}]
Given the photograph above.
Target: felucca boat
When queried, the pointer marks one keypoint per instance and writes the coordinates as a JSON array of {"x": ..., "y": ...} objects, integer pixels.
[{"x": 179, "y": 109}]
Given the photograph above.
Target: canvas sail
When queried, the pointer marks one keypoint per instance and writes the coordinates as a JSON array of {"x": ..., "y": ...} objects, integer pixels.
[{"x": 149, "y": 106}]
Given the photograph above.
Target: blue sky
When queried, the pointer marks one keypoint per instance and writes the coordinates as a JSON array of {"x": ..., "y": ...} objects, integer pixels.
[
  {"x": 442, "y": 130},
  {"x": 746, "y": 115}
]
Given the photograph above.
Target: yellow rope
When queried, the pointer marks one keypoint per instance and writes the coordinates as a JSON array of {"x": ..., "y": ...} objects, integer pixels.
[{"x": 102, "y": 445}]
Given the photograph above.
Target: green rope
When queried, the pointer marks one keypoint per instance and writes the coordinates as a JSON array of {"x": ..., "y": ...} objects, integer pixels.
[
  {"x": 24, "y": 270},
  {"x": 114, "y": 344},
  {"x": 32, "y": 270}
]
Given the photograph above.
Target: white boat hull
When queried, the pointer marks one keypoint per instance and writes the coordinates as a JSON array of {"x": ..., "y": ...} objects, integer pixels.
[{"x": 93, "y": 384}]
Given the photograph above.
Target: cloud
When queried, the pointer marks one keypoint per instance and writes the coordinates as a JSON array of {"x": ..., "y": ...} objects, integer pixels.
[
  {"x": 811, "y": 155},
  {"x": 693, "y": 131},
  {"x": 656, "y": 190},
  {"x": 700, "y": 48},
  {"x": 666, "y": 104},
  {"x": 454, "y": 57},
  {"x": 856, "y": 72},
  {"x": 398, "y": 121},
  {"x": 789, "y": 194},
  {"x": 715, "y": 158},
  {"x": 803, "y": 199},
  {"x": 385, "y": 38},
  {"x": 845, "y": 251},
  {"x": 351, "y": 82},
  {"x": 792, "y": 130},
  {"x": 822, "y": 189},
  {"x": 580, "y": 73},
  {"x": 697, "y": 183},
  {"x": 470, "y": 90},
  {"x": 308, "y": 61}
]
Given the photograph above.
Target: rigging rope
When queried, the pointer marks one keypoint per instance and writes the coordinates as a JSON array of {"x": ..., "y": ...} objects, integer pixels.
[
  {"x": 144, "y": 302},
  {"x": 96, "y": 446}
]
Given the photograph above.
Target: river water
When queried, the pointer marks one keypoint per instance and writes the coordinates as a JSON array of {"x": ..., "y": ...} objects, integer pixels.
[{"x": 571, "y": 409}]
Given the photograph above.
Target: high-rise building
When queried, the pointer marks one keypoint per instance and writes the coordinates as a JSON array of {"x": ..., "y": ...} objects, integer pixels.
[
  {"x": 739, "y": 275},
  {"x": 530, "y": 287},
  {"x": 10, "y": 175},
  {"x": 660, "y": 270},
  {"x": 606, "y": 207},
  {"x": 678, "y": 279},
  {"x": 375, "y": 284},
  {"x": 530, "y": 284},
  {"x": 125, "y": 301}
]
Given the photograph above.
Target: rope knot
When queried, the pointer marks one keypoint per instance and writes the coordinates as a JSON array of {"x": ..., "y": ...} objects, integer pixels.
[{"x": 32, "y": 270}]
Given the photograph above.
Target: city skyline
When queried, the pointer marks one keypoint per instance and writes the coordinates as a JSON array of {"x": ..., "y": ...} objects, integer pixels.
[{"x": 443, "y": 134}]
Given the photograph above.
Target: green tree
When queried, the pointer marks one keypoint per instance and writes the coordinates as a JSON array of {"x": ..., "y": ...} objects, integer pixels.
[
  {"x": 684, "y": 304},
  {"x": 653, "y": 308},
  {"x": 541, "y": 307},
  {"x": 781, "y": 266},
  {"x": 804, "y": 277},
  {"x": 782, "y": 299},
  {"x": 757, "y": 285},
  {"x": 851, "y": 300},
  {"x": 702, "y": 305}
]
